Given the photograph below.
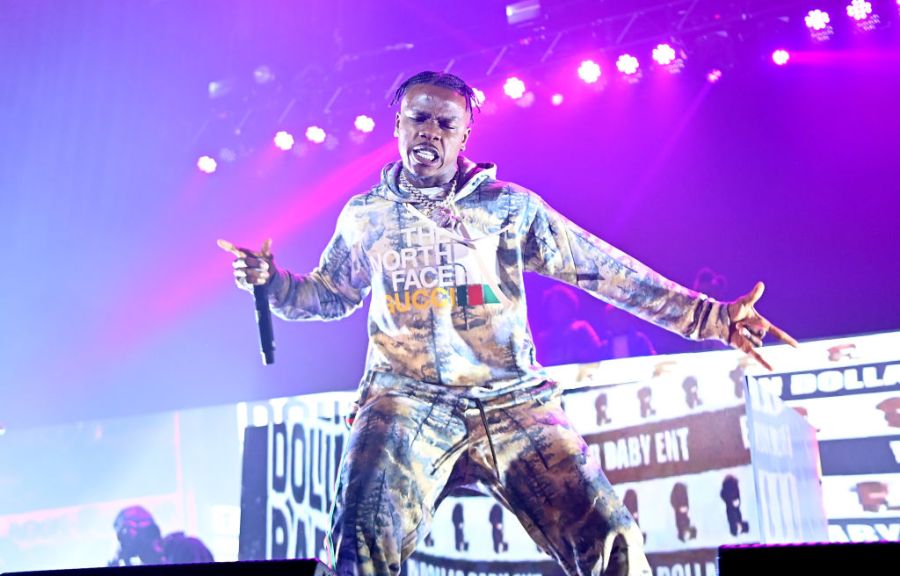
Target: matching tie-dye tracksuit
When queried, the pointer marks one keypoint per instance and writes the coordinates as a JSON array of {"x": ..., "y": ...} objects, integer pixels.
[{"x": 452, "y": 394}]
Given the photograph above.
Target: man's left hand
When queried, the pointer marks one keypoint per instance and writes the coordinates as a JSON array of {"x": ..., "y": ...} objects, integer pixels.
[{"x": 749, "y": 327}]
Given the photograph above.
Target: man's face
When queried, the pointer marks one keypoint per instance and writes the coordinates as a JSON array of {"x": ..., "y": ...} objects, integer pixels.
[{"x": 432, "y": 127}]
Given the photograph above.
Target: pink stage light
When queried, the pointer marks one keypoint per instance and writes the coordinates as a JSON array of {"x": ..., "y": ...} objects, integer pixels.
[
  {"x": 284, "y": 140},
  {"x": 207, "y": 164},
  {"x": 780, "y": 57},
  {"x": 514, "y": 88},
  {"x": 315, "y": 134},
  {"x": 556, "y": 99},
  {"x": 589, "y": 71},
  {"x": 364, "y": 123},
  {"x": 859, "y": 9},
  {"x": 479, "y": 96},
  {"x": 713, "y": 75},
  {"x": 664, "y": 54},
  {"x": 627, "y": 64},
  {"x": 817, "y": 20}
]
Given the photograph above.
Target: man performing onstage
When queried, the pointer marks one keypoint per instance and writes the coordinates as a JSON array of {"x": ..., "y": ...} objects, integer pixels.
[{"x": 452, "y": 394}]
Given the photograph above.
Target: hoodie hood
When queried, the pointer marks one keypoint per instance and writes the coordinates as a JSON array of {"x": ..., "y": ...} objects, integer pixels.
[{"x": 473, "y": 174}]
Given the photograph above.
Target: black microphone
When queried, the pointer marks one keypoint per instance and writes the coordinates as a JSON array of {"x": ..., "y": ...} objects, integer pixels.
[{"x": 264, "y": 321}]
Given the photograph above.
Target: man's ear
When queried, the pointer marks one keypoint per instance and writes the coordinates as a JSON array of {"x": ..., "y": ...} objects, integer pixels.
[
  {"x": 397, "y": 126},
  {"x": 465, "y": 137}
]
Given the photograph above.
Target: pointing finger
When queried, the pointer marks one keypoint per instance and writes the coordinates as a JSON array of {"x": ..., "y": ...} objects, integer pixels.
[
  {"x": 229, "y": 247},
  {"x": 783, "y": 336},
  {"x": 749, "y": 350},
  {"x": 267, "y": 248},
  {"x": 756, "y": 293}
]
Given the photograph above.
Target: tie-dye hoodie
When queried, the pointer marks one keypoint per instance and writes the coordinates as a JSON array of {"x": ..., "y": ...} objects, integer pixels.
[{"x": 448, "y": 305}]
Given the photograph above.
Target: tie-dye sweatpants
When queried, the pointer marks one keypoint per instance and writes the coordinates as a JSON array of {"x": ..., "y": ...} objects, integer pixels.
[{"x": 413, "y": 443}]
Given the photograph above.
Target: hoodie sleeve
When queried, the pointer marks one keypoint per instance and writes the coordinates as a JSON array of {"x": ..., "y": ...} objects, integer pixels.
[
  {"x": 558, "y": 248},
  {"x": 334, "y": 289}
]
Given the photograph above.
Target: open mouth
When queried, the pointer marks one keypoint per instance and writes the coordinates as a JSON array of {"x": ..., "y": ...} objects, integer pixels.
[{"x": 425, "y": 154}]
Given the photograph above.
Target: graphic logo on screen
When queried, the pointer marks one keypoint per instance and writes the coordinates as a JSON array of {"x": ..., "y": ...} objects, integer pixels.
[
  {"x": 630, "y": 500},
  {"x": 731, "y": 495},
  {"x": 496, "y": 518},
  {"x": 645, "y": 397},
  {"x": 737, "y": 377},
  {"x": 682, "y": 508},
  {"x": 600, "y": 404},
  {"x": 458, "y": 529},
  {"x": 875, "y": 497},
  {"x": 691, "y": 392},
  {"x": 891, "y": 409},
  {"x": 842, "y": 352}
]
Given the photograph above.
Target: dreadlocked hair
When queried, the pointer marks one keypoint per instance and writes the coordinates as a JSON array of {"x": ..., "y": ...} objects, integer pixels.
[{"x": 442, "y": 80}]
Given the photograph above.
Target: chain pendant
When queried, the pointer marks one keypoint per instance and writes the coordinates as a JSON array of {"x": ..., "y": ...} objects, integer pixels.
[{"x": 442, "y": 212}]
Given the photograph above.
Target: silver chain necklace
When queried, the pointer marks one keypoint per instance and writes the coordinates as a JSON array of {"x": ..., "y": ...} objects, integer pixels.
[{"x": 442, "y": 211}]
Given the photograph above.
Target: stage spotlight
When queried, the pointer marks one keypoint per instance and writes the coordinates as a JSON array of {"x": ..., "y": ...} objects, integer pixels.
[
  {"x": 589, "y": 71},
  {"x": 664, "y": 54},
  {"x": 556, "y": 99},
  {"x": 364, "y": 123},
  {"x": 479, "y": 96},
  {"x": 780, "y": 57},
  {"x": 514, "y": 88},
  {"x": 206, "y": 164},
  {"x": 818, "y": 22},
  {"x": 713, "y": 75},
  {"x": 284, "y": 140},
  {"x": 861, "y": 12},
  {"x": 859, "y": 9},
  {"x": 315, "y": 134},
  {"x": 627, "y": 64}
]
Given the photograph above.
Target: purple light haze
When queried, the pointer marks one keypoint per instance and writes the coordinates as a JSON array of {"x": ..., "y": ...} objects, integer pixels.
[
  {"x": 629, "y": 163},
  {"x": 127, "y": 306}
]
